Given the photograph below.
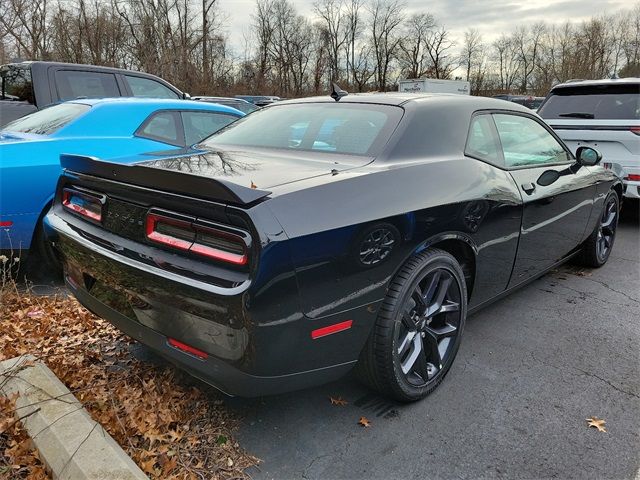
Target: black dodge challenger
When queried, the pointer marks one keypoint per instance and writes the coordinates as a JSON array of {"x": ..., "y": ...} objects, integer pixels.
[{"x": 319, "y": 235}]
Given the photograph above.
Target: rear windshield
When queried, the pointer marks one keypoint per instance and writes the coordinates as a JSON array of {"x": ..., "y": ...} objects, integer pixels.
[
  {"x": 602, "y": 102},
  {"x": 16, "y": 83},
  {"x": 48, "y": 120},
  {"x": 347, "y": 128}
]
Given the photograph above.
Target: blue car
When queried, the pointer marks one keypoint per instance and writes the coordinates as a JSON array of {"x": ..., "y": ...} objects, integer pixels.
[{"x": 30, "y": 149}]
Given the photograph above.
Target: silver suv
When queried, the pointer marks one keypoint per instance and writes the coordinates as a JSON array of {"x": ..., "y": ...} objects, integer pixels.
[{"x": 603, "y": 114}]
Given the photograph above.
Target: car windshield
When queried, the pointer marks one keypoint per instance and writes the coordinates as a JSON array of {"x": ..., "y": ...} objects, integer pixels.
[
  {"x": 48, "y": 120},
  {"x": 600, "y": 102},
  {"x": 347, "y": 128}
]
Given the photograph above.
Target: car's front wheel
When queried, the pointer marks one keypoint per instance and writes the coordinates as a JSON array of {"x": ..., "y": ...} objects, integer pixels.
[{"x": 418, "y": 329}]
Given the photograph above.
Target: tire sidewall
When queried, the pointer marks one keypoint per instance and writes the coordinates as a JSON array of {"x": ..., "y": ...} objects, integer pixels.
[
  {"x": 614, "y": 195},
  {"x": 440, "y": 261}
]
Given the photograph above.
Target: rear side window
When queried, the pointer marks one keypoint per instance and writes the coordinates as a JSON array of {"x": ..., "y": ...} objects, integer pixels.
[
  {"x": 162, "y": 127},
  {"x": 145, "y": 87},
  {"x": 200, "y": 125},
  {"x": 482, "y": 142},
  {"x": 76, "y": 84},
  {"x": 356, "y": 129},
  {"x": 16, "y": 84},
  {"x": 48, "y": 120},
  {"x": 601, "y": 102},
  {"x": 527, "y": 143}
]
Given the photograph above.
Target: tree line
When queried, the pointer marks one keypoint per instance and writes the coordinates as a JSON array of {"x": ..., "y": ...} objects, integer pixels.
[{"x": 364, "y": 45}]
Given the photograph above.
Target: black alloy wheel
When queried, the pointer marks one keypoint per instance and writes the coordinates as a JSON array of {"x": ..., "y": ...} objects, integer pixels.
[
  {"x": 598, "y": 246},
  {"x": 419, "y": 327}
]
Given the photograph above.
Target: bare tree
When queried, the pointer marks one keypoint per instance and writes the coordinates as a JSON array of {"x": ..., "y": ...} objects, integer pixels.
[
  {"x": 386, "y": 18},
  {"x": 331, "y": 14},
  {"x": 439, "y": 47},
  {"x": 414, "y": 58}
]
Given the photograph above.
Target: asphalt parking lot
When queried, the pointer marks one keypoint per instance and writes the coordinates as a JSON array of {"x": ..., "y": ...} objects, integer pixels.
[{"x": 530, "y": 370}]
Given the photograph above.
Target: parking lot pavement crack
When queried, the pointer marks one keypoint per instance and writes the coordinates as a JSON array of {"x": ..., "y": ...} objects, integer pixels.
[
  {"x": 314, "y": 460},
  {"x": 608, "y": 287},
  {"x": 583, "y": 296},
  {"x": 579, "y": 371}
]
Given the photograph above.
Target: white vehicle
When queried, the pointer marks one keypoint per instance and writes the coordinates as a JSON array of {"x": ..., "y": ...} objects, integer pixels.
[
  {"x": 603, "y": 114},
  {"x": 433, "y": 85}
]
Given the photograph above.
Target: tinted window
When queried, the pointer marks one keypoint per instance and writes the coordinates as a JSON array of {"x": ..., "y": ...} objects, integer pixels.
[
  {"x": 16, "y": 83},
  {"x": 526, "y": 142},
  {"x": 48, "y": 120},
  {"x": 162, "y": 126},
  {"x": 482, "y": 142},
  {"x": 75, "y": 84},
  {"x": 145, "y": 87},
  {"x": 604, "y": 102},
  {"x": 356, "y": 129},
  {"x": 200, "y": 125}
]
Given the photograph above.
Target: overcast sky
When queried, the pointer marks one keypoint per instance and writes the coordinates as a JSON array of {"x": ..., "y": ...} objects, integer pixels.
[{"x": 491, "y": 17}]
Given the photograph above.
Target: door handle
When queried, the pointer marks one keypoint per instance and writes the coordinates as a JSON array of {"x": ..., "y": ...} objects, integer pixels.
[{"x": 528, "y": 188}]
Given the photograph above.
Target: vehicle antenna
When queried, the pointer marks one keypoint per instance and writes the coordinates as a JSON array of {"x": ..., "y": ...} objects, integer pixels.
[{"x": 337, "y": 93}]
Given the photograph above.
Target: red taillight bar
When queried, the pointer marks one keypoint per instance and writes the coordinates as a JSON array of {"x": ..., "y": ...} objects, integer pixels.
[
  {"x": 635, "y": 130},
  {"x": 179, "y": 243},
  {"x": 634, "y": 177},
  {"x": 6, "y": 224},
  {"x": 183, "y": 347},
  {"x": 67, "y": 197},
  {"x": 189, "y": 227}
]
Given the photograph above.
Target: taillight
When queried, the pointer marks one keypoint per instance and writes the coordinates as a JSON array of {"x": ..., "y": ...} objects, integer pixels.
[
  {"x": 170, "y": 231},
  {"x": 83, "y": 204},
  {"x": 635, "y": 130},
  {"x": 634, "y": 177},
  {"x": 198, "y": 237}
]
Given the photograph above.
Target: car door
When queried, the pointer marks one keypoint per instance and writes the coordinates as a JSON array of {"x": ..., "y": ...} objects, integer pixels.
[{"x": 557, "y": 194}]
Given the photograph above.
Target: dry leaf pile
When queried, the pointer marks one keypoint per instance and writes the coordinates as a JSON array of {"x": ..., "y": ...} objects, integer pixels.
[{"x": 170, "y": 429}]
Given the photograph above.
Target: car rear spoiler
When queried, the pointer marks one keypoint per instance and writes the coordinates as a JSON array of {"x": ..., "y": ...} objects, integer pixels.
[{"x": 166, "y": 180}]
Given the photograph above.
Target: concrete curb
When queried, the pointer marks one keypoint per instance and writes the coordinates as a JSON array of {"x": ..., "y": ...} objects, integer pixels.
[{"x": 69, "y": 442}]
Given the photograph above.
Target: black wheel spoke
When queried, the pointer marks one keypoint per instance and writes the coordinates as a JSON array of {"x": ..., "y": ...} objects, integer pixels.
[
  {"x": 436, "y": 304},
  {"x": 447, "y": 330},
  {"x": 431, "y": 350},
  {"x": 414, "y": 349}
]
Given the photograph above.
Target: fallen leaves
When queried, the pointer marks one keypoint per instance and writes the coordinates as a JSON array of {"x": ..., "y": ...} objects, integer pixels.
[
  {"x": 596, "y": 422},
  {"x": 364, "y": 421},
  {"x": 171, "y": 429},
  {"x": 341, "y": 402}
]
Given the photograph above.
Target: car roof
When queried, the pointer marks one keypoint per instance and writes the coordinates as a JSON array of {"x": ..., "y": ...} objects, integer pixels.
[
  {"x": 604, "y": 81},
  {"x": 422, "y": 99}
]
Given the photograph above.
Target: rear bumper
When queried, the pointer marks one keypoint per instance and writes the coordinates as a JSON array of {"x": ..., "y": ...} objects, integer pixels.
[
  {"x": 213, "y": 371},
  {"x": 256, "y": 343}
]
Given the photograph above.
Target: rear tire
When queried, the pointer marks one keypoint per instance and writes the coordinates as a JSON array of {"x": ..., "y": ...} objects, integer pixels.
[
  {"x": 597, "y": 248},
  {"x": 418, "y": 330},
  {"x": 45, "y": 255}
]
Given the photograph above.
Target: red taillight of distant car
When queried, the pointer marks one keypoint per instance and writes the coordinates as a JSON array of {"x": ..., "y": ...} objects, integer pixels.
[
  {"x": 203, "y": 240},
  {"x": 83, "y": 204},
  {"x": 634, "y": 177},
  {"x": 635, "y": 130}
]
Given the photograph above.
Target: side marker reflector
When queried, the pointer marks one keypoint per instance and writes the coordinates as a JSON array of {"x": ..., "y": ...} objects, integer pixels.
[
  {"x": 183, "y": 347},
  {"x": 331, "y": 329},
  {"x": 6, "y": 224}
]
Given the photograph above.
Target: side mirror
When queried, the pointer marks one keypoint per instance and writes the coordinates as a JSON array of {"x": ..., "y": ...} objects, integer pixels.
[
  {"x": 587, "y": 156},
  {"x": 186, "y": 96}
]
